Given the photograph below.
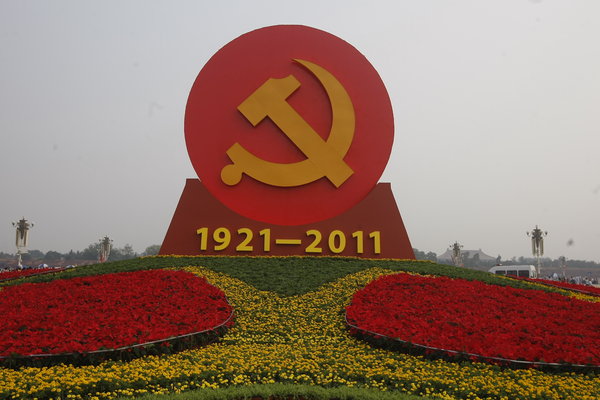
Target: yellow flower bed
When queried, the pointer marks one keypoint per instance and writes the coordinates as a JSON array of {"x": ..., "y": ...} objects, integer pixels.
[{"x": 298, "y": 340}]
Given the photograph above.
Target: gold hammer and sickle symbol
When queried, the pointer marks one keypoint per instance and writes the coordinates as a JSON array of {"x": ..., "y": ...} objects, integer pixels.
[{"x": 324, "y": 158}]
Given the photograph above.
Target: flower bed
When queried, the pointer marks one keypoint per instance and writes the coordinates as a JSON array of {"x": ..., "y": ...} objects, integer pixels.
[
  {"x": 482, "y": 321},
  {"x": 113, "y": 311},
  {"x": 585, "y": 289},
  {"x": 297, "y": 339},
  {"x": 21, "y": 273}
]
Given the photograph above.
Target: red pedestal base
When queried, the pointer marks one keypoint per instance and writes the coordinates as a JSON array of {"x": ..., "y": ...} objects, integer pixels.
[{"x": 202, "y": 225}]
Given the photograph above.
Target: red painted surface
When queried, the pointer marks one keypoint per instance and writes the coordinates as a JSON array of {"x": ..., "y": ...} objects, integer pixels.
[
  {"x": 197, "y": 208},
  {"x": 213, "y": 123}
]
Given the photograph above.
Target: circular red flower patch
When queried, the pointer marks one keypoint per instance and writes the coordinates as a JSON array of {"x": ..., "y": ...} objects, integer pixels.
[
  {"x": 477, "y": 319},
  {"x": 107, "y": 311}
]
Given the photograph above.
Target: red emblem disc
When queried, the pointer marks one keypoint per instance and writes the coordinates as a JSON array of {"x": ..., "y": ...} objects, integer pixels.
[{"x": 289, "y": 125}]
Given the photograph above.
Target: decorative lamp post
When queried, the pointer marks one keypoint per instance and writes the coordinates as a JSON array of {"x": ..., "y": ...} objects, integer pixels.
[
  {"x": 22, "y": 236},
  {"x": 537, "y": 245},
  {"x": 104, "y": 249},
  {"x": 563, "y": 267},
  {"x": 457, "y": 255}
]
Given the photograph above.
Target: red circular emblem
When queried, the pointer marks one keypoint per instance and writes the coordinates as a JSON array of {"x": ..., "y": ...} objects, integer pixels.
[{"x": 289, "y": 125}]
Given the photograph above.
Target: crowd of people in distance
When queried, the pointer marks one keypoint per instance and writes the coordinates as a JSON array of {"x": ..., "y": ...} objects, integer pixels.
[{"x": 576, "y": 280}]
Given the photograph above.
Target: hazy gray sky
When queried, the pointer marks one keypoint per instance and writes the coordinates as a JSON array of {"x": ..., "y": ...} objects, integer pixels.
[{"x": 496, "y": 107}]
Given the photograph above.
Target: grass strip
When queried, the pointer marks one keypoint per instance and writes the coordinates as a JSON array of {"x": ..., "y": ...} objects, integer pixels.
[
  {"x": 280, "y": 391},
  {"x": 285, "y": 276}
]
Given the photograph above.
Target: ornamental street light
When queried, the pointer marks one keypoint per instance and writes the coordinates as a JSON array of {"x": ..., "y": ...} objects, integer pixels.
[
  {"x": 537, "y": 246},
  {"x": 22, "y": 238},
  {"x": 563, "y": 266},
  {"x": 457, "y": 255},
  {"x": 104, "y": 249}
]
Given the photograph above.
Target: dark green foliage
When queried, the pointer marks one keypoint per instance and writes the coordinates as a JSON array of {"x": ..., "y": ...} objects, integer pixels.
[
  {"x": 286, "y": 276},
  {"x": 421, "y": 255},
  {"x": 90, "y": 252},
  {"x": 282, "y": 392},
  {"x": 52, "y": 257},
  {"x": 124, "y": 253},
  {"x": 151, "y": 250},
  {"x": 35, "y": 254}
]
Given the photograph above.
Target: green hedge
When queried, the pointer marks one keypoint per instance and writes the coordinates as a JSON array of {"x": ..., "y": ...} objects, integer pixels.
[{"x": 286, "y": 276}]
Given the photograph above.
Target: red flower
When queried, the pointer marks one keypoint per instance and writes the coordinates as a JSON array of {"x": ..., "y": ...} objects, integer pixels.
[
  {"x": 474, "y": 317},
  {"x": 20, "y": 273},
  {"x": 107, "y": 311}
]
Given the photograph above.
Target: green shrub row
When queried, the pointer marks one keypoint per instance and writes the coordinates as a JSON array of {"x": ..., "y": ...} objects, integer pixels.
[
  {"x": 286, "y": 276},
  {"x": 281, "y": 391}
]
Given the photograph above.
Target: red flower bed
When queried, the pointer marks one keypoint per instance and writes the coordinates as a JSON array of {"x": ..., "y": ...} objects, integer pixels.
[
  {"x": 107, "y": 311},
  {"x": 479, "y": 319},
  {"x": 20, "y": 273},
  {"x": 586, "y": 289}
]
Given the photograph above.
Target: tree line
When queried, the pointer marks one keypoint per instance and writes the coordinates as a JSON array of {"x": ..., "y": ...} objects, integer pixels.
[
  {"x": 90, "y": 253},
  {"x": 473, "y": 261}
]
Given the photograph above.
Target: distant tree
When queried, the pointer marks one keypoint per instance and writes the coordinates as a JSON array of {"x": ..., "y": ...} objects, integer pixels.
[
  {"x": 128, "y": 252},
  {"x": 71, "y": 255},
  {"x": 151, "y": 250},
  {"x": 578, "y": 264},
  {"x": 52, "y": 256},
  {"x": 36, "y": 254},
  {"x": 419, "y": 255},
  {"x": 90, "y": 252},
  {"x": 431, "y": 256},
  {"x": 124, "y": 253},
  {"x": 115, "y": 254}
]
